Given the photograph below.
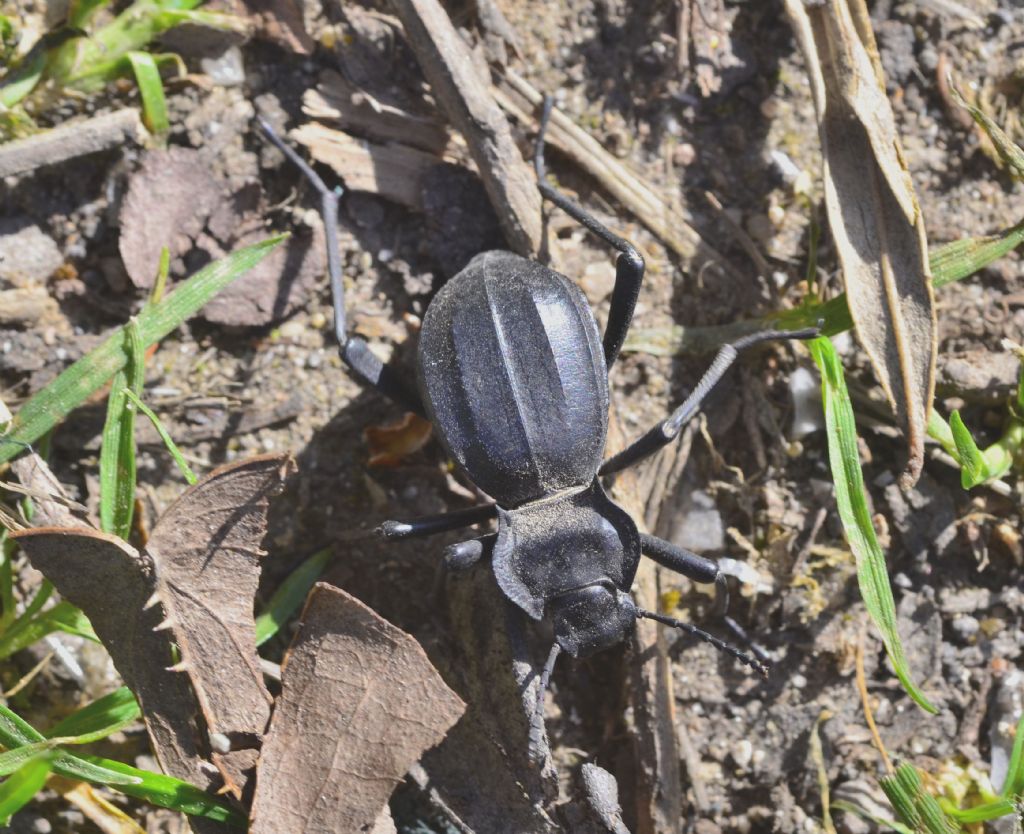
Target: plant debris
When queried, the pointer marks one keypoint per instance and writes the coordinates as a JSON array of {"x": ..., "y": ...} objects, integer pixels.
[{"x": 360, "y": 702}]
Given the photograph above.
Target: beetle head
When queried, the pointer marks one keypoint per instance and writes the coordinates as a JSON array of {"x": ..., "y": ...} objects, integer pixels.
[{"x": 591, "y": 618}]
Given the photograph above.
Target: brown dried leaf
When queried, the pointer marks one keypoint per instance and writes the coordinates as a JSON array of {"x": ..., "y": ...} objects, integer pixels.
[
  {"x": 393, "y": 171},
  {"x": 390, "y": 444},
  {"x": 112, "y": 582},
  {"x": 873, "y": 214},
  {"x": 273, "y": 289},
  {"x": 35, "y": 475},
  {"x": 206, "y": 554},
  {"x": 168, "y": 201},
  {"x": 360, "y": 704}
]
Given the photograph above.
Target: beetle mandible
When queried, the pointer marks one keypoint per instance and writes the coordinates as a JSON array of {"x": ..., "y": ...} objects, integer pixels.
[{"x": 513, "y": 374}]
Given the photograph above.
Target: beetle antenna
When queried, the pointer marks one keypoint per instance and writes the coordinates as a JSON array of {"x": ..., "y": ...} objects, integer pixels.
[
  {"x": 537, "y": 722},
  {"x": 721, "y": 645},
  {"x": 742, "y": 634}
]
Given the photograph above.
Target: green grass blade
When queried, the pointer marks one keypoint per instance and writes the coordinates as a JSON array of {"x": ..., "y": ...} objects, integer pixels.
[
  {"x": 62, "y": 617},
  {"x": 99, "y": 719},
  {"x": 15, "y": 731},
  {"x": 151, "y": 91},
  {"x": 69, "y": 619},
  {"x": 117, "y": 454},
  {"x": 172, "y": 447},
  {"x": 77, "y": 383},
  {"x": 981, "y": 813},
  {"x": 901, "y": 794},
  {"x": 81, "y": 12},
  {"x": 949, "y": 263},
  {"x": 164, "y": 791},
  {"x": 168, "y": 792},
  {"x": 1009, "y": 151},
  {"x": 1014, "y": 784},
  {"x": 287, "y": 599},
  {"x": 973, "y": 470},
  {"x": 960, "y": 258},
  {"x": 23, "y": 80},
  {"x": 872, "y": 575},
  {"x": 10, "y": 611},
  {"x": 12, "y": 760},
  {"x": 849, "y": 807},
  {"x": 20, "y": 787}
]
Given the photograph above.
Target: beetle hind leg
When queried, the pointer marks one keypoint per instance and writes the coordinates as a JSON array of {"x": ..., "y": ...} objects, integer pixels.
[{"x": 355, "y": 352}]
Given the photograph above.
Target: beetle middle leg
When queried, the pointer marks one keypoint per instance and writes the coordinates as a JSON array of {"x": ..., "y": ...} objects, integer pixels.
[
  {"x": 666, "y": 431},
  {"x": 629, "y": 266}
]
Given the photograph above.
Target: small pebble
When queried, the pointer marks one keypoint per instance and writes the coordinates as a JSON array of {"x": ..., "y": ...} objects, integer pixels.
[
  {"x": 220, "y": 743},
  {"x": 684, "y": 155},
  {"x": 227, "y": 69},
  {"x": 742, "y": 752},
  {"x": 318, "y": 320},
  {"x": 966, "y": 626},
  {"x": 41, "y": 826}
]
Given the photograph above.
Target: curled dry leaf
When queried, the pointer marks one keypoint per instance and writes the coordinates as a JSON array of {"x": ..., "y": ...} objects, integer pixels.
[
  {"x": 360, "y": 702},
  {"x": 194, "y": 585},
  {"x": 206, "y": 554},
  {"x": 390, "y": 444},
  {"x": 873, "y": 214},
  {"x": 112, "y": 582}
]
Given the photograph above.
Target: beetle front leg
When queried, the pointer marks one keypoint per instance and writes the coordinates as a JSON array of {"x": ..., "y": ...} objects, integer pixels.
[{"x": 431, "y": 524}]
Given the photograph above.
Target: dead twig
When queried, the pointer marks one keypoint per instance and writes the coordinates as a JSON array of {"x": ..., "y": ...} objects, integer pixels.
[
  {"x": 667, "y": 221},
  {"x": 70, "y": 141},
  {"x": 466, "y": 98}
]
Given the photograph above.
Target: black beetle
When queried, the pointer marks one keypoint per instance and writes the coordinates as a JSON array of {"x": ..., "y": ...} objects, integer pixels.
[{"x": 513, "y": 374}]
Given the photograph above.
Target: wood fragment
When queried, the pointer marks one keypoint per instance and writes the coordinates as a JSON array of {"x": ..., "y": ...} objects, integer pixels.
[
  {"x": 110, "y": 581},
  {"x": 873, "y": 214},
  {"x": 360, "y": 703},
  {"x": 395, "y": 172},
  {"x": 72, "y": 140},
  {"x": 658, "y": 801},
  {"x": 337, "y": 100},
  {"x": 469, "y": 103},
  {"x": 668, "y": 221}
]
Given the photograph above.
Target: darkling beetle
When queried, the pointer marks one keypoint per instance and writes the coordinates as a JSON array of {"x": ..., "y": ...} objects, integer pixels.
[{"x": 513, "y": 374}]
